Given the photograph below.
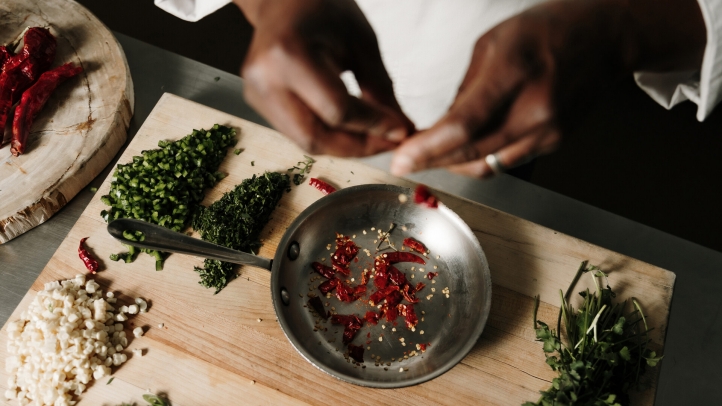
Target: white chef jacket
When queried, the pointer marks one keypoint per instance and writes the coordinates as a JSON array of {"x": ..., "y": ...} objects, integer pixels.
[{"x": 426, "y": 46}]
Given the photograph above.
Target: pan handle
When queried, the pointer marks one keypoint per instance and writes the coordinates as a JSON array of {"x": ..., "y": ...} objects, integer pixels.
[{"x": 165, "y": 240}]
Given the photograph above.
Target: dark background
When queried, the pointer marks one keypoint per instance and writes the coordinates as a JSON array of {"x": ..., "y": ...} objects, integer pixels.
[{"x": 629, "y": 156}]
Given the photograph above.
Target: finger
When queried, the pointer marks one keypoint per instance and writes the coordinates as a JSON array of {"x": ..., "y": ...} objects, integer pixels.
[
  {"x": 474, "y": 150},
  {"x": 483, "y": 102},
  {"x": 525, "y": 149},
  {"x": 318, "y": 85},
  {"x": 289, "y": 115},
  {"x": 376, "y": 87},
  {"x": 414, "y": 153},
  {"x": 529, "y": 113}
]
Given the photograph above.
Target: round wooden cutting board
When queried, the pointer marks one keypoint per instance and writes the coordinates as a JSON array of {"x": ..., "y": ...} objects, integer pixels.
[{"x": 82, "y": 126}]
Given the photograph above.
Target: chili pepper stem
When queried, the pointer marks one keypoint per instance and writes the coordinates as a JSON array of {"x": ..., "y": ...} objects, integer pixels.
[{"x": 14, "y": 44}]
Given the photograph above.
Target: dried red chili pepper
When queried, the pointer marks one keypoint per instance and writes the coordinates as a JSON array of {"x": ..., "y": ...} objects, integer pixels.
[
  {"x": 431, "y": 275},
  {"x": 5, "y": 54},
  {"x": 90, "y": 262},
  {"x": 409, "y": 292},
  {"x": 40, "y": 46},
  {"x": 359, "y": 291},
  {"x": 317, "y": 305},
  {"x": 324, "y": 187},
  {"x": 328, "y": 286},
  {"x": 382, "y": 294},
  {"x": 415, "y": 245},
  {"x": 410, "y": 315},
  {"x": 346, "y": 251},
  {"x": 419, "y": 286},
  {"x": 20, "y": 71},
  {"x": 390, "y": 312},
  {"x": 398, "y": 256},
  {"x": 372, "y": 317},
  {"x": 424, "y": 197},
  {"x": 397, "y": 277},
  {"x": 324, "y": 270},
  {"x": 351, "y": 323},
  {"x": 33, "y": 100},
  {"x": 394, "y": 298},
  {"x": 346, "y": 293},
  {"x": 381, "y": 274},
  {"x": 356, "y": 352}
]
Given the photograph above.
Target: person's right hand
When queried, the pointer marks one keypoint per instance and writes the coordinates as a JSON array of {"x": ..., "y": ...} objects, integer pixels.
[
  {"x": 532, "y": 76},
  {"x": 299, "y": 49}
]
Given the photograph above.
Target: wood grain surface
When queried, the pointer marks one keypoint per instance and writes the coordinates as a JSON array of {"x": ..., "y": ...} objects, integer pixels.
[
  {"x": 214, "y": 350},
  {"x": 82, "y": 126}
]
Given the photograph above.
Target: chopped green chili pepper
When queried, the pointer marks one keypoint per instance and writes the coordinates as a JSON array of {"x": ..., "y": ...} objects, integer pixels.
[{"x": 165, "y": 186}]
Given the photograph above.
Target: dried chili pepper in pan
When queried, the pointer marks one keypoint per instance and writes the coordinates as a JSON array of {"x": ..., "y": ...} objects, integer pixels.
[
  {"x": 423, "y": 196},
  {"x": 33, "y": 101},
  {"x": 398, "y": 256},
  {"x": 415, "y": 245},
  {"x": 90, "y": 262},
  {"x": 22, "y": 70}
]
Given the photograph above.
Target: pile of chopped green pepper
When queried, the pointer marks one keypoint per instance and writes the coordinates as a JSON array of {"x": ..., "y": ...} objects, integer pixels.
[{"x": 165, "y": 186}]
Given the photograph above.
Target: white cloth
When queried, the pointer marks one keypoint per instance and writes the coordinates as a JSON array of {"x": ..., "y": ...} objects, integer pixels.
[
  {"x": 426, "y": 46},
  {"x": 191, "y": 10},
  {"x": 703, "y": 87}
]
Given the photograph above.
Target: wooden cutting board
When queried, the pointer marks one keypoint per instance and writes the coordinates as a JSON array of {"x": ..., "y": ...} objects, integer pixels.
[
  {"x": 82, "y": 126},
  {"x": 228, "y": 348}
]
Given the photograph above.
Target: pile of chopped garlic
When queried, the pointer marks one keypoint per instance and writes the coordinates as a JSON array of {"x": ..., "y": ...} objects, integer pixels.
[{"x": 69, "y": 335}]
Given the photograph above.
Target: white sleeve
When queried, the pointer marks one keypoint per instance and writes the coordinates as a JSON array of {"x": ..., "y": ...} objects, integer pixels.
[
  {"x": 703, "y": 87},
  {"x": 191, "y": 10}
]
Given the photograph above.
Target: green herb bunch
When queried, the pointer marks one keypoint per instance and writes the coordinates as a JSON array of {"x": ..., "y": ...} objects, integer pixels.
[
  {"x": 236, "y": 221},
  {"x": 165, "y": 186},
  {"x": 605, "y": 351}
]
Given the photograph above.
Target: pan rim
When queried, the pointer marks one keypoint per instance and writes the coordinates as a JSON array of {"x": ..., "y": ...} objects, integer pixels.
[{"x": 315, "y": 361}]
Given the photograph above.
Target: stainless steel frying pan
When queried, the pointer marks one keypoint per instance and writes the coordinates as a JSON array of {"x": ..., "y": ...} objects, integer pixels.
[{"x": 450, "y": 325}]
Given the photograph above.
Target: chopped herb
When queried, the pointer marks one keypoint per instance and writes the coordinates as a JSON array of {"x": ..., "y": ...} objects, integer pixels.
[
  {"x": 237, "y": 151},
  {"x": 236, "y": 221},
  {"x": 304, "y": 168},
  {"x": 253, "y": 163},
  {"x": 110, "y": 380},
  {"x": 93, "y": 189},
  {"x": 165, "y": 186},
  {"x": 605, "y": 351},
  {"x": 217, "y": 78}
]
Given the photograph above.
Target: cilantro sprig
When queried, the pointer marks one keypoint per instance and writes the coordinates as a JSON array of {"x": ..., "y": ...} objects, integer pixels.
[
  {"x": 606, "y": 349},
  {"x": 303, "y": 168}
]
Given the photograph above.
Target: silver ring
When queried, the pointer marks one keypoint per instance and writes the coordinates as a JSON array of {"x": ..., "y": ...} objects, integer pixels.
[{"x": 496, "y": 166}]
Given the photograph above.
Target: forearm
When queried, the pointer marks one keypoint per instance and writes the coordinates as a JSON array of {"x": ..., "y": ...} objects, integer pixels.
[
  {"x": 250, "y": 9},
  {"x": 670, "y": 34},
  {"x": 649, "y": 35}
]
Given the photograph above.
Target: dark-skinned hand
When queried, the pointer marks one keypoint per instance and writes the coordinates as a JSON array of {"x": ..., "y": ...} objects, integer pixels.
[
  {"x": 533, "y": 73},
  {"x": 298, "y": 50}
]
